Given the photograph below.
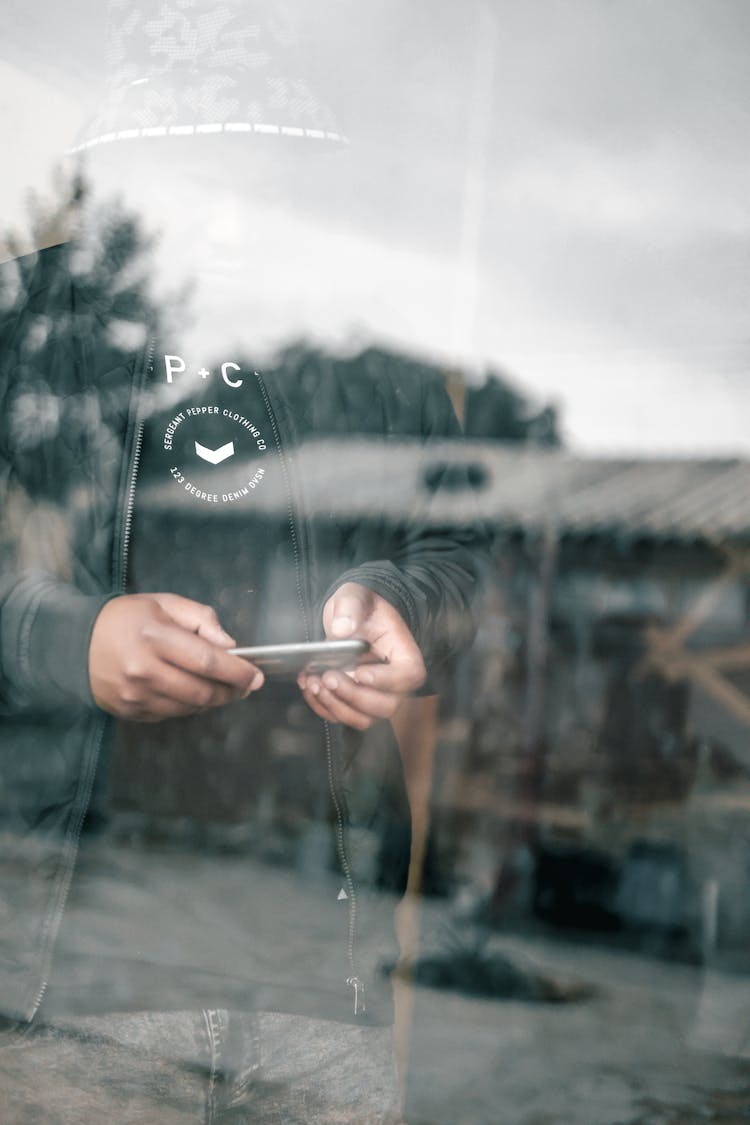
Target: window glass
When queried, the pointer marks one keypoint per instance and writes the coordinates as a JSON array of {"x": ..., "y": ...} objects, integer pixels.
[{"x": 410, "y": 338}]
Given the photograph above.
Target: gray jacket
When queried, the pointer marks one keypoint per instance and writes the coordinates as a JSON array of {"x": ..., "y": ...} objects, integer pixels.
[{"x": 70, "y": 427}]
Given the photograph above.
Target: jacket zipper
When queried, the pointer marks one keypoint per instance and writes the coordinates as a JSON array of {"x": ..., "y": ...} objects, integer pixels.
[
  {"x": 129, "y": 506},
  {"x": 353, "y": 980},
  {"x": 122, "y": 575},
  {"x": 98, "y": 734}
]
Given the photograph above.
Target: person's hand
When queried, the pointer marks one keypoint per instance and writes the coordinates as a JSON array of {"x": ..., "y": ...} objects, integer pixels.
[
  {"x": 371, "y": 691},
  {"x": 159, "y": 656}
]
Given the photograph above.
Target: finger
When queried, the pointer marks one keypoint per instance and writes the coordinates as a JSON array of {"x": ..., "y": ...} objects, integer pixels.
[
  {"x": 313, "y": 702},
  {"x": 366, "y": 700},
  {"x": 158, "y": 707},
  {"x": 315, "y": 695},
  {"x": 346, "y": 610},
  {"x": 190, "y": 691},
  {"x": 342, "y": 711},
  {"x": 399, "y": 677},
  {"x": 196, "y": 618},
  {"x": 194, "y": 654},
  {"x": 167, "y": 690}
]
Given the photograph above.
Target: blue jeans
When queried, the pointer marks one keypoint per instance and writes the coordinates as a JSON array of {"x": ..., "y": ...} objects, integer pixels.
[{"x": 197, "y": 1068}]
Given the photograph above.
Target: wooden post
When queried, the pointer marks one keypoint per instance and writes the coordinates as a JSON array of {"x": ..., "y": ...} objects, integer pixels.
[
  {"x": 415, "y": 726},
  {"x": 537, "y": 662}
]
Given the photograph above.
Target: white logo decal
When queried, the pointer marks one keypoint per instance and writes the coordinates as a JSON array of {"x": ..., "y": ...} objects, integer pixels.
[
  {"x": 230, "y": 382},
  {"x": 175, "y": 365},
  {"x": 246, "y": 448},
  {"x": 215, "y": 456}
]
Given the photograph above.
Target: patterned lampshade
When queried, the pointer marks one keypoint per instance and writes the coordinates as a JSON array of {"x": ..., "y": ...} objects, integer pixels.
[{"x": 187, "y": 68}]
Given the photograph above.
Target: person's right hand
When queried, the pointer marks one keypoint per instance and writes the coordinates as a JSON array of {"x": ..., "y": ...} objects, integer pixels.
[{"x": 159, "y": 656}]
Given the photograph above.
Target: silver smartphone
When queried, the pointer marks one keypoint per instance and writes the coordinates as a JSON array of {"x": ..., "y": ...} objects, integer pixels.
[{"x": 289, "y": 660}]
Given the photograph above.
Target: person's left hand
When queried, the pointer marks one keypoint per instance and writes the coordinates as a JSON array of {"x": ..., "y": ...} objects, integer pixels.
[{"x": 371, "y": 691}]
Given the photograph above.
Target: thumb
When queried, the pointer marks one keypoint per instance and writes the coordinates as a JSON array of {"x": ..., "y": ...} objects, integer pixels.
[{"x": 346, "y": 610}]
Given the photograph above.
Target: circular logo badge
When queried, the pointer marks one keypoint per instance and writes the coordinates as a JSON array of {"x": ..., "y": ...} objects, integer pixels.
[{"x": 216, "y": 453}]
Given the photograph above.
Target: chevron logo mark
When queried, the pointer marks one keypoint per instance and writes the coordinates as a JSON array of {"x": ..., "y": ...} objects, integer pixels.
[{"x": 215, "y": 456}]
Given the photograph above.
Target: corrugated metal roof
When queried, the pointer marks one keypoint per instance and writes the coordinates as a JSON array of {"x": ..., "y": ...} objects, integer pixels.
[
  {"x": 707, "y": 499},
  {"x": 515, "y": 488}
]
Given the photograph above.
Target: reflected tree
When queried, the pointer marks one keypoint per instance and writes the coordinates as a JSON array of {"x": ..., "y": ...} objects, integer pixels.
[
  {"x": 73, "y": 312},
  {"x": 499, "y": 412},
  {"x": 82, "y": 292}
]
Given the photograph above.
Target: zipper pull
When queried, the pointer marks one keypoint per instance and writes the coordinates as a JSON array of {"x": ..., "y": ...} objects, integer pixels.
[{"x": 359, "y": 995}]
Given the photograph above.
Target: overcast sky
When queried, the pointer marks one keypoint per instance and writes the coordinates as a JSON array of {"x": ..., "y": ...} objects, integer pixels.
[{"x": 559, "y": 189}]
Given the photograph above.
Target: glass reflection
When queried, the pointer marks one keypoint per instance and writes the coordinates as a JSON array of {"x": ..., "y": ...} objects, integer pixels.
[{"x": 284, "y": 258}]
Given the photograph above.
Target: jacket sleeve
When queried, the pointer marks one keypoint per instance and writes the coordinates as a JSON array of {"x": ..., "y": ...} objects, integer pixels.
[
  {"x": 45, "y": 629},
  {"x": 45, "y": 623},
  {"x": 433, "y": 571}
]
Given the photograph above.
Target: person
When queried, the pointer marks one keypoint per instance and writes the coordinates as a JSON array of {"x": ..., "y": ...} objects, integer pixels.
[
  {"x": 90, "y": 648},
  {"x": 191, "y": 922}
]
